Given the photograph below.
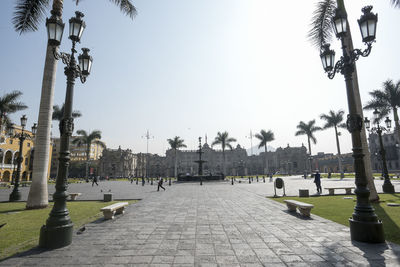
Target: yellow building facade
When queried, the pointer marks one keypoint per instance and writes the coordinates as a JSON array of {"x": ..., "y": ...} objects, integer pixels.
[
  {"x": 78, "y": 153},
  {"x": 9, "y": 152}
]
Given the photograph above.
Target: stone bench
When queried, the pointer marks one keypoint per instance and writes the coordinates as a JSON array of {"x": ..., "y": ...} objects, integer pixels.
[
  {"x": 332, "y": 189},
  {"x": 304, "y": 208},
  {"x": 74, "y": 195},
  {"x": 117, "y": 208}
]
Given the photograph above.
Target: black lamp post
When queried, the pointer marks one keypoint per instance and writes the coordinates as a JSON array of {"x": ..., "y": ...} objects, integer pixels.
[
  {"x": 387, "y": 186},
  {"x": 59, "y": 228},
  {"x": 16, "y": 194},
  {"x": 364, "y": 224}
]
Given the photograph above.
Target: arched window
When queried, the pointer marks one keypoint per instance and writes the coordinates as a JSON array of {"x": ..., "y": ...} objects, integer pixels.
[
  {"x": 6, "y": 176},
  {"x": 8, "y": 157}
]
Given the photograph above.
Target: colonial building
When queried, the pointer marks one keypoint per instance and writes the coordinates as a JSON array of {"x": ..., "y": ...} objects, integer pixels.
[
  {"x": 117, "y": 163},
  {"x": 78, "y": 154},
  {"x": 9, "y": 151},
  {"x": 288, "y": 160},
  {"x": 329, "y": 162},
  {"x": 391, "y": 146}
]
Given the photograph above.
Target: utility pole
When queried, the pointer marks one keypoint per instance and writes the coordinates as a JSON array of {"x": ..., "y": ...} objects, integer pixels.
[
  {"x": 147, "y": 136},
  {"x": 251, "y": 142}
]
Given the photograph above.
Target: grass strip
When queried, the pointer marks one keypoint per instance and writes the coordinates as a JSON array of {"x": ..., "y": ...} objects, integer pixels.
[
  {"x": 22, "y": 228},
  {"x": 338, "y": 209}
]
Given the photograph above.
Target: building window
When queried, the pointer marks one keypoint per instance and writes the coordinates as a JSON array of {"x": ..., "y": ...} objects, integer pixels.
[
  {"x": 11, "y": 141},
  {"x": 29, "y": 144}
]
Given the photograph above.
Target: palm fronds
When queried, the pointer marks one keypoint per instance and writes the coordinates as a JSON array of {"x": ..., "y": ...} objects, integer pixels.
[
  {"x": 176, "y": 142},
  {"x": 265, "y": 137},
  {"x": 28, "y": 14},
  {"x": 308, "y": 129},
  {"x": 321, "y": 23},
  {"x": 332, "y": 119}
]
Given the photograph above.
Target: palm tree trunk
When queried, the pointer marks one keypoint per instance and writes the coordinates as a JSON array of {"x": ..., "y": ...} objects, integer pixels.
[
  {"x": 396, "y": 124},
  {"x": 38, "y": 193},
  {"x": 265, "y": 159},
  {"x": 339, "y": 155},
  {"x": 367, "y": 156},
  {"x": 87, "y": 161},
  {"x": 309, "y": 149},
  {"x": 223, "y": 162},
  {"x": 176, "y": 165}
]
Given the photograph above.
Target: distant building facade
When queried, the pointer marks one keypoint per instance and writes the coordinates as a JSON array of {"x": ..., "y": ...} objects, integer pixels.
[
  {"x": 391, "y": 146},
  {"x": 328, "y": 162},
  {"x": 9, "y": 151},
  {"x": 288, "y": 160},
  {"x": 78, "y": 154},
  {"x": 117, "y": 163}
]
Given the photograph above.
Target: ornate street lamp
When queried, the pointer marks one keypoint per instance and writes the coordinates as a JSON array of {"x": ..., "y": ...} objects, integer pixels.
[
  {"x": 387, "y": 186},
  {"x": 364, "y": 224},
  {"x": 16, "y": 194},
  {"x": 59, "y": 228}
]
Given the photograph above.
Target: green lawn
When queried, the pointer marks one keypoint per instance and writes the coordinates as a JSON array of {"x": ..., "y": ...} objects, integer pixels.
[
  {"x": 22, "y": 229},
  {"x": 339, "y": 210}
]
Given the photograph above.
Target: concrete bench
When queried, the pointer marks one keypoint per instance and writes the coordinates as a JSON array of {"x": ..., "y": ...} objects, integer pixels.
[
  {"x": 332, "y": 189},
  {"x": 74, "y": 195},
  {"x": 304, "y": 208},
  {"x": 117, "y": 208}
]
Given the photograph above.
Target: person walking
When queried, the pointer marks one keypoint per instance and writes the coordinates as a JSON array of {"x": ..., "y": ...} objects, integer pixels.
[
  {"x": 95, "y": 181},
  {"x": 317, "y": 181},
  {"x": 160, "y": 182}
]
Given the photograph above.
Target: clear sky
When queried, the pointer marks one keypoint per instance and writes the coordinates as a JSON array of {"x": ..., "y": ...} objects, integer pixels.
[{"x": 191, "y": 68}]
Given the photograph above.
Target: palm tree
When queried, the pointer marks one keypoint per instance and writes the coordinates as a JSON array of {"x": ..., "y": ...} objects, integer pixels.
[
  {"x": 58, "y": 113},
  {"x": 308, "y": 129},
  {"x": 386, "y": 100},
  {"x": 87, "y": 140},
  {"x": 27, "y": 17},
  {"x": 224, "y": 140},
  {"x": 319, "y": 34},
  {"x": 264, "y": 138},
  {"x": 175, "y": 144},
  {"x": 334, "y": 120},
  {"x": 9, "y": 104}
]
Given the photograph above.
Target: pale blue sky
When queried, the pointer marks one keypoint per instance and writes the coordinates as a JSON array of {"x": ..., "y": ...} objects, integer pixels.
[{"x": 191, "y": 68}]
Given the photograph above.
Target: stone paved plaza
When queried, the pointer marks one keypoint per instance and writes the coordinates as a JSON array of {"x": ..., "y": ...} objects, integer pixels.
[
  {"x": 216, "y": 224},
  {"x": 126, "y": 190}
]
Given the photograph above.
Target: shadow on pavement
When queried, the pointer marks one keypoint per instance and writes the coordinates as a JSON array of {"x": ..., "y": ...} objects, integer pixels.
[
  {"x": 373, "y": 253},
  {"x": 298, "y": 215}
]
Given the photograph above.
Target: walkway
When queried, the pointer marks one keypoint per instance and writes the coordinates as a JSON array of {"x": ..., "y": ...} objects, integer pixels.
[{"x": 212, "y": 225}]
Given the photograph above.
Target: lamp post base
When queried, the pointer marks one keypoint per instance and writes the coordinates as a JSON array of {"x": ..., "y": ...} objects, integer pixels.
[
  {"x": 56, "y": 237},
  {"x": 369, "y": 232},
  {"x": 388, "y": 188},
  {"x": 15, "y": 196}
]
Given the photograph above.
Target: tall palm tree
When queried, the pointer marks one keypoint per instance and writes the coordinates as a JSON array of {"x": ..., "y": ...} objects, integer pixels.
[
  {"x": 386, "y": 100},
  {"x": 319, "y": 34},
  {"x": 224, "y": 140},
  {"x": 334, "y": 120},
  {"x": 264, "y": 138},
  {"x": 308, "y": 129},
  {"x": 175, "y": 144},
  {"x": 58, "y": 113},
  {"x": 87, "y": 140},
  {"x": 9, "y": 104},
  {"x": 27, "y": 17}
]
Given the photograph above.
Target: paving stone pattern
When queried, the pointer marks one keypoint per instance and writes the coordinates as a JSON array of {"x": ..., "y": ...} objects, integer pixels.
[
  {"x": 126, "y": 190},
  {"x": 212, "y": 225}
]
